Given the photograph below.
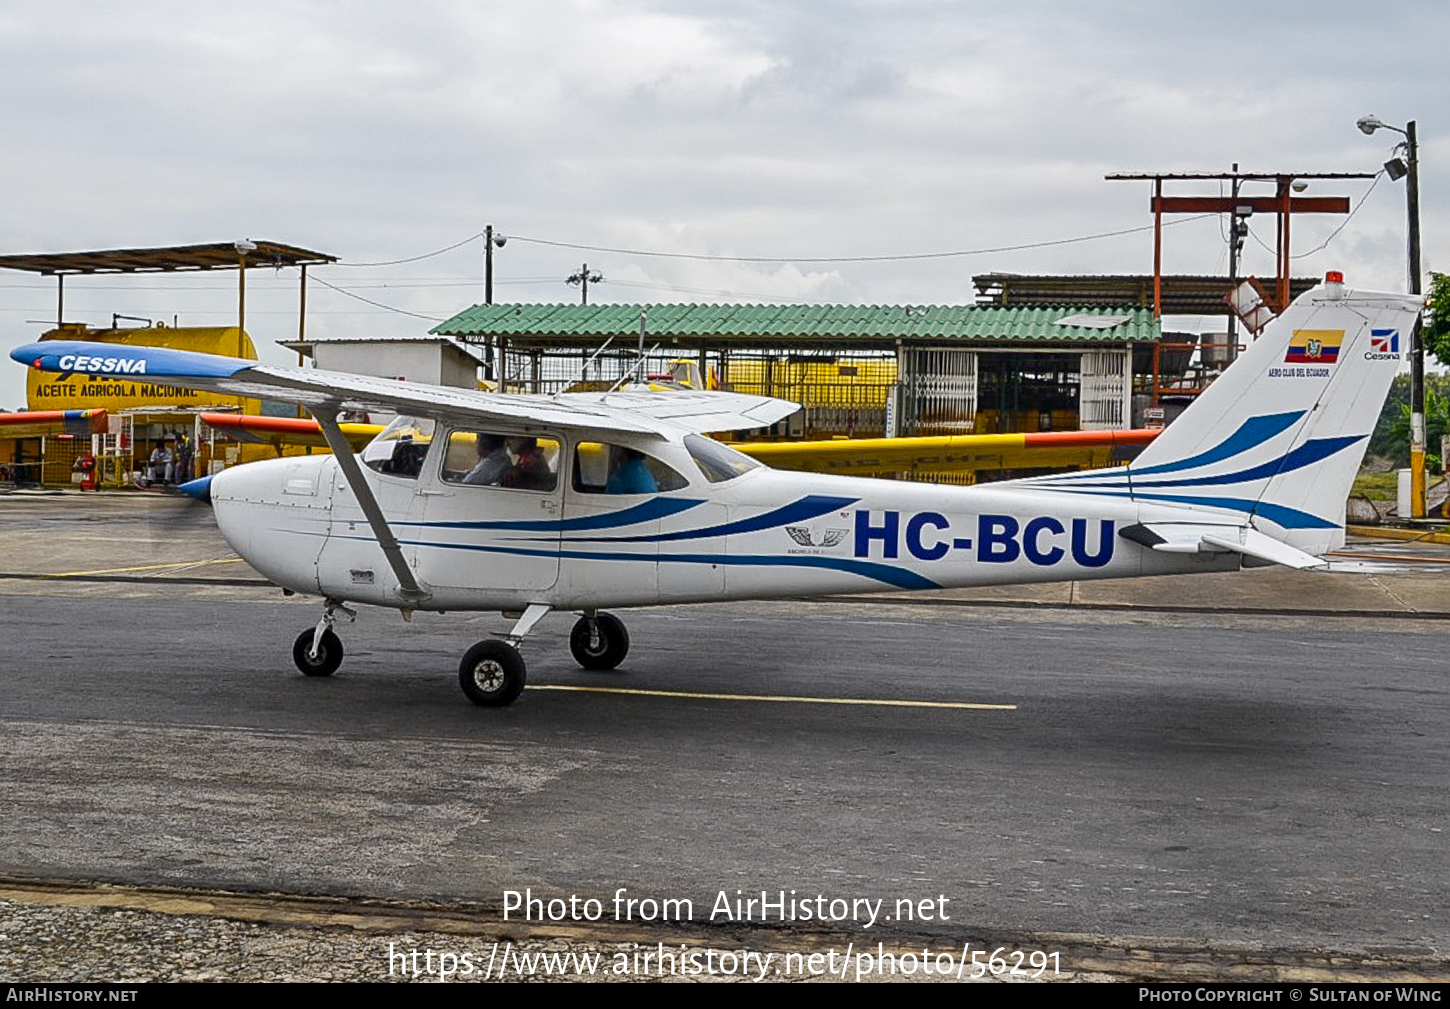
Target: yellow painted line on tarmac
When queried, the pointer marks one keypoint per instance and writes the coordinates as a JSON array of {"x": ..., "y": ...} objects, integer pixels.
[
  {"x": 781, "y": 699},
  {"x": 144, "y": 567},
  {"x": 1392, "y": 533}
]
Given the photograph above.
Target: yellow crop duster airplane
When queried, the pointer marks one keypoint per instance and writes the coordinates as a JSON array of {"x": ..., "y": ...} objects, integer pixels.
[
  {"x": 957, "y": 453},
  {"x": 582, "y": 502}
]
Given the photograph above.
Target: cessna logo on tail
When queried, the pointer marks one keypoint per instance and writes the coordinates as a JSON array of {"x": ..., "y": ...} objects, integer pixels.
[
  {"x": 102, "y": 365},
  {"x": 1384, "y": 345}
]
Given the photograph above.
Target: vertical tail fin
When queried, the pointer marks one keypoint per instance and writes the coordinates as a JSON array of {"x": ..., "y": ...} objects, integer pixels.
[{"x": 1280, "y": 436}]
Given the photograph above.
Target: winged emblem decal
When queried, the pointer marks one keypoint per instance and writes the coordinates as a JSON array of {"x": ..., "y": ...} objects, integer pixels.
[{"x": 803, "y": 536}]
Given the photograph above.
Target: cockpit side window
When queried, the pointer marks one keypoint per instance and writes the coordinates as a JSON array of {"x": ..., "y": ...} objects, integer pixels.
[
  {"x": 492, "y": 459},
  {"x": 400, "y": 448},
  {"x": 617, "y": 469}
]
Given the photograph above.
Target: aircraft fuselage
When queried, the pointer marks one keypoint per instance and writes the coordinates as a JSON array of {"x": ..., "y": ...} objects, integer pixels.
[{"x": 761, "y": 534}]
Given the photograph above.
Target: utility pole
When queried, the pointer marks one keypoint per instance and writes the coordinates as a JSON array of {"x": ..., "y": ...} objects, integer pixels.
[
  {"x": 583, "y": 279},
  {"x": 1418, "y": 505},
  {"x": 1409, "y": 170}
]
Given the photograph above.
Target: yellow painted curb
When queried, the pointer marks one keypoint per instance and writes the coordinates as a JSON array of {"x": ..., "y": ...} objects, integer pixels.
[{"x": 1391, "y": 533}]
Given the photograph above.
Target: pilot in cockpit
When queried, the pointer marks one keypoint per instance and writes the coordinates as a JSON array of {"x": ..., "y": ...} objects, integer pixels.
[{"x": 493, "y": 461}]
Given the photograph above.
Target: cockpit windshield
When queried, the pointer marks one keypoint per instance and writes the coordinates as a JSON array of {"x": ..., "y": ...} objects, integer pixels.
[
  {"x": 400, "y": 448},
  {"x": 718, "y": 462}
]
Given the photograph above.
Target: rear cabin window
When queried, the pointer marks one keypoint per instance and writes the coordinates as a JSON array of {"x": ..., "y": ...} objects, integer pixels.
[{"x": 600, "y": 468}]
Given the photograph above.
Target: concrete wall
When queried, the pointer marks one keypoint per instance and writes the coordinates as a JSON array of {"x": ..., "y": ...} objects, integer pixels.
[{"x": 435, "y": 362}]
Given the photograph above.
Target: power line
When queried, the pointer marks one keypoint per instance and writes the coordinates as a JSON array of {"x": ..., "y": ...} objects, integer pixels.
[
  {"x": 705, "y": 291},
  {"x": 426, "y": 255},
  {"x": 851, "y": 259},
  {"x": 779, "y": 259},
  {"x": 399, "y": 284},
  {"x": 379, "y": 304},
  {"x": 1348, "y": 217}
]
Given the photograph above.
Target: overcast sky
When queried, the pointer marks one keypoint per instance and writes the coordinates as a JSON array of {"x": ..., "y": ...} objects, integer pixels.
[{"x": 383, "y": 131}]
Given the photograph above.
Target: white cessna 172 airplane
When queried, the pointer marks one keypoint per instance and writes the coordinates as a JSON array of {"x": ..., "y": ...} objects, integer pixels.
[{"x": 529, "y": 504}]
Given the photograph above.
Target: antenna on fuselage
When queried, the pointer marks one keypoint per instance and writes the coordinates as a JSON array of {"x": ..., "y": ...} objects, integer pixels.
[{"x": 638, "y": 364}]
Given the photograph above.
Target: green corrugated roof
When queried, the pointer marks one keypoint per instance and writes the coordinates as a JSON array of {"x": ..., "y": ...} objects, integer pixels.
[{"x": 778, "y": 324}]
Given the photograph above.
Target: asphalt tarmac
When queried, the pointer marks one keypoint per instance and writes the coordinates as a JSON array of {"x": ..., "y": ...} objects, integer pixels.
[{"x": 1256, "y": 759}]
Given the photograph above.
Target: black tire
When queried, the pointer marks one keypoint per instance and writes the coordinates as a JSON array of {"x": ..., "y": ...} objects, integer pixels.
[
  {"x": 492, "y": 674},
  {"x": 329, "y": 654},
  {"x": 599, "y": 649}
]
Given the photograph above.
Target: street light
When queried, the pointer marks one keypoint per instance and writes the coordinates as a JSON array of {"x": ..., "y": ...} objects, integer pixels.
[
  {"x": 490, "y": 241},
  {"x": 1409, "y": 169},
  {"x": 243, "y": 246}
]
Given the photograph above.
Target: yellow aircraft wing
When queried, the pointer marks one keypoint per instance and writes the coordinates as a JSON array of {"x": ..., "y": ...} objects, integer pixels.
[
  {"x": 853, "y": 456},
  {"x": 281, "y": 431},
  {"x": 43, "y": 423},
  {"x": 947, "y": 453}
]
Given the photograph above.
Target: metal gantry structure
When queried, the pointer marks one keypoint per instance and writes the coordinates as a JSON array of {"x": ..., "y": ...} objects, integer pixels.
[{"x": 1283, "y": 204}]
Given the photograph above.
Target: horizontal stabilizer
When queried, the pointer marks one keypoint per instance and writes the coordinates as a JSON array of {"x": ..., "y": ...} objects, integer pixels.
[
  {"x": 1265, "y": 548},
  {"x": 1192, "y": 538}
]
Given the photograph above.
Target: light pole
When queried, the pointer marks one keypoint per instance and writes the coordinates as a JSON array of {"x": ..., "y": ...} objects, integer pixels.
[
  {"x": 1409, "y": 169},
  {"x": 490, "y": 242},
  {"x": 243, "y": 246}
]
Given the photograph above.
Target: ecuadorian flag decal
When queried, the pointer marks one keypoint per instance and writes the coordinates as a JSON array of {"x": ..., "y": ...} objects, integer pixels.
[{"x": 1314, "y": 346}]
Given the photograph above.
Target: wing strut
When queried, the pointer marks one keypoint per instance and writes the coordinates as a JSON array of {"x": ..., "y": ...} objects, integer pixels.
[{"x": 408, "y": 585}]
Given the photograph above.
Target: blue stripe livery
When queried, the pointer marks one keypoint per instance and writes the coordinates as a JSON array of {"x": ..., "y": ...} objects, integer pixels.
[
  {"x": 809, "y": 507},
  {"x": 649, "y": 511}
]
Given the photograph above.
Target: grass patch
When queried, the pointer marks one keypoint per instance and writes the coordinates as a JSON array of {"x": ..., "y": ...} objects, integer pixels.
[{"x": 1377, "y": 486}]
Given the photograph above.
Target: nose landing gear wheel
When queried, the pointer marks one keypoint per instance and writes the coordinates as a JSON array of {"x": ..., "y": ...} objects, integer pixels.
[
  {"x": 492, "y": 673},
  {"x": 600, "y": 643},
  {"x": 328, "y": 658}
]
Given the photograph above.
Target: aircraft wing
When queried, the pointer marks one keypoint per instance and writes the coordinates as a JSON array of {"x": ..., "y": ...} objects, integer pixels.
[
  {"x": 959, "y": 453},
  {"x": 636, "y": 412},
  {"x": 39, "y": 423},
  {"x": 279, "y": 431},
  {"x": 700, "y": 411}
]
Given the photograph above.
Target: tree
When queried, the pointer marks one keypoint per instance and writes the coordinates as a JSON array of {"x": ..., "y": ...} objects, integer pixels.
[
  {"x": 1391, "y": 438},
  {"x": 1382, "y": 442},
  {"x": 1436, "y": 329},
  {"x": 1435, "y": 428}
]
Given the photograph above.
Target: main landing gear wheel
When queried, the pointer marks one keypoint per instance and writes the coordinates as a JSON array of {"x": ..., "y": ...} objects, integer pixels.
[
  {"x": 329, "y": 653},
  {"x": 492, "y": 673},
  {"x": 599, "y": 643}
]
